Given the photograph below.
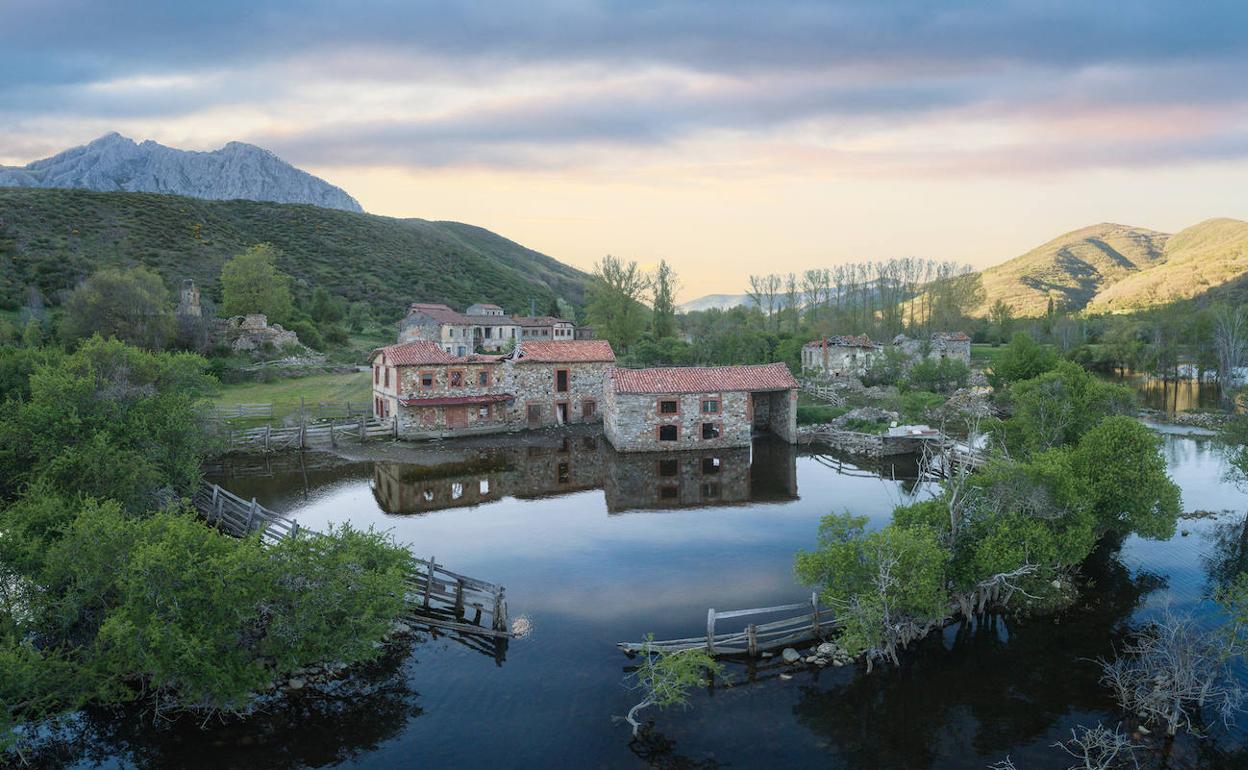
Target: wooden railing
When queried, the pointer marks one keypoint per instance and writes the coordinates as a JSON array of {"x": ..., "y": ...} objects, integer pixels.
[
  {"x": 268, "y": 438},
  {"x": 755, "y": 637},
  {"x": 823, "y": 392},
  {"x": 435, "y": 595}
]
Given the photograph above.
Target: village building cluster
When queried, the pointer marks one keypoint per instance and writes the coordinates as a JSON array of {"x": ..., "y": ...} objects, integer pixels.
[
  {"x": 482, "y": 326},
  {"x": 431, "y": 384},
  {"x": 852, "y": 356}
]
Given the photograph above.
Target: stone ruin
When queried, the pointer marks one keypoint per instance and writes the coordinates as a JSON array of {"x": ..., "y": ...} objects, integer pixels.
[{"x": 252, "y": 333}]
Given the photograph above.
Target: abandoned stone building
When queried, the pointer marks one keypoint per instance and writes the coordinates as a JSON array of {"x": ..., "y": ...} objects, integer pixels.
[
  {"x": 841, "y": 356},
  {"x": 955, "y": 345},
  {"x": 851, "y": 356},
  {"x": 432, "y": 393},
  {"x": 482, "y": 326},
  {"x": 649, "y": 410}
]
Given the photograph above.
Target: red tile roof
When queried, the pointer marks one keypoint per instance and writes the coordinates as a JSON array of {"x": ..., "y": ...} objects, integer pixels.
[
  {"x": 565, "y": 351},
  {"x": 489, "y": 398},
  {"x": 951, "y": 336},
  {"x": 414, "y": 353},
  {"x": 442, "y": 314},
  {"x": 696, "y": 379}
]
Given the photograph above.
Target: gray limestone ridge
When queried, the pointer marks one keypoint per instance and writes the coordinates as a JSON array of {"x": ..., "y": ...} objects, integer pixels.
[{"x": 237, "y": 170}]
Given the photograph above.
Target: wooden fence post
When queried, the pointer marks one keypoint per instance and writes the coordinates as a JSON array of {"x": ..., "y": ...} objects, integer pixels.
[
  {"x": 710, "y": 631},
  {"x": 251, "y": 515},
  {"x": 294, "y": 530},
  {"x": 429, "y": 579},
  {"x": 303, "y": 430},
  {"x": 459, "y": 597},
  {"x": 363, "y": 431},
  {"x": 268, "y": 429},
  {"x": 751, "y": 640}
]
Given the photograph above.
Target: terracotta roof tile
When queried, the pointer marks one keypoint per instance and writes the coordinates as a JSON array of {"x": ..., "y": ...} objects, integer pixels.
[
  {"x": 846, "y": 341},
  {"x": 414, "y": 353},
  {"x": 569, "y": 351},
  {"x": 695, "y": 379}
]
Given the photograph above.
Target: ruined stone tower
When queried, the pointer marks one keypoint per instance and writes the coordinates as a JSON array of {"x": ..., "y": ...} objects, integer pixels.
[{"x": 189, "y": 304}]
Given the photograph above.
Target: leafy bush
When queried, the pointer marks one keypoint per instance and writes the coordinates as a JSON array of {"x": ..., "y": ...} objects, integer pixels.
[
  {"x": 943, "y": 375},
  {"x": 1022, "y": 359},
  {"x": 818, "y": 414}
]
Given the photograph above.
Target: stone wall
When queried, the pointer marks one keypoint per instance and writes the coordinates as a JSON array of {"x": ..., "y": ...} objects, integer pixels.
[
  {"x": 529, "y": 384},
  {"x": 633, "y": 421}
]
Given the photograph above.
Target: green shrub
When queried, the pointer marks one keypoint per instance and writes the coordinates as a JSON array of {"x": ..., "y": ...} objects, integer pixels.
[{"x": 818, "y": 414}]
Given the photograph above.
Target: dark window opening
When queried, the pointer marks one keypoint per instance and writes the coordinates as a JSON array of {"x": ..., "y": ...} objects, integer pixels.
[
  {"x": 710, "y": 465},
  {"x": 669, "y": 467},
  {"x": 457, "y": 379},
  {"x": 565, "y": 474},
  {"x": 668, "y": 433},
  {"x": 710, "y": 430},
  {"x": 561, "y": 380},
  {"x": 426, "y": 379},
  {"x": 588, "y": 406},
  {"x": 669, "y": 493},
  {"x": 669, "y": 407},
  {"x": 483, "y": 378}
]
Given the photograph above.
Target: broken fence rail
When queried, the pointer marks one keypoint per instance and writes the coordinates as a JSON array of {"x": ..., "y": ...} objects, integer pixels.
[
  {"x": 754, "y": 638},
  {"x": 435, "y": 595}
]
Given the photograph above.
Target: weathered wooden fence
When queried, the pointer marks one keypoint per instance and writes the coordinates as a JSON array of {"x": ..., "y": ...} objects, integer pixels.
[
  {"x": 267, "y": 438},
  {"x": 755, "y": 637},
  {"x": 435, "y": 596},
  {"x": 322, "y": 409},
  {"x": 823, "y": 392}
]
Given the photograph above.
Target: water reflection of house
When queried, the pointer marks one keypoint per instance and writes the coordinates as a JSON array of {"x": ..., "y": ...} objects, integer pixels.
[
  {"x": 701, "y": 479},
  {"x": 567, "y": 464}
]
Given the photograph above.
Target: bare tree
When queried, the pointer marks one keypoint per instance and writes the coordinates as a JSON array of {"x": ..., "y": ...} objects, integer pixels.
[
  {"x": 1172, "y": 671},
  {"x": 1099, "y": 748},
  {"x": 764, "y": 292},
  {"x": 1230, "y": 338}
]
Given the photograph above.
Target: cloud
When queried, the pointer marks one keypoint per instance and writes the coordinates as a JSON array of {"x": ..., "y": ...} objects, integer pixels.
[{"x": 1004, "y": 87}]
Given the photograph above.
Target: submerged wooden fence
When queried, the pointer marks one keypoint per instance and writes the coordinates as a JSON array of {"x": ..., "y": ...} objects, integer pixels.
[
  {"x": 435, "y": 595},
  {"x": 755, "y": 637}
]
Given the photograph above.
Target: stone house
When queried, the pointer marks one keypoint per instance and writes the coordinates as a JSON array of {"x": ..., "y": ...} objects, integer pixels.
[
  {"x": 431, "y": 393},
  {"x": 648, "y": 410},
  {"x": 956, "y": 345},
  {"x": 840, "y": 356},
  {"x": 483, "y": 325}
]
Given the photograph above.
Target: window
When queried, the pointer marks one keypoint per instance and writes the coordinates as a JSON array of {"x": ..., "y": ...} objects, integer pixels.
[
  {"x": 376, "y": 374},
  {"x": 565, "y": 473},
  {"x": 710, "y": 430},
  {"x": 710, "y": 490},
  {"x": 669, "y": 433},
  {"x": 588, "y": 407},
  {"x": 426, "y": 379},
  {"x": 669, "y": 407},
  {"x": 669, "y": 493},
  {"x": 387, "y": 378},
  {"x": 456, "y": 378},
  {"x": 710, "y": 465},
  {"x": 669, "y": 467},
  {"x": 483, "y": 378},
  {"x": 561, "y": 380},
  {"x": 484, "y": 411},
  {"x": 710, "y": 406}
]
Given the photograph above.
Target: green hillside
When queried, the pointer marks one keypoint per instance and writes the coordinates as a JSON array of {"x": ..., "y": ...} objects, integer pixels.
[
  {"x": 1208, "y": 258},
  {"x": 52, "y": 239},
  {"x": 1072, "y": 268}
]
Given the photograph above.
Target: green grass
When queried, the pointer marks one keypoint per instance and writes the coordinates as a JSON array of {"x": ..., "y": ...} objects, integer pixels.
[
  {"x": 985, "y": 355},
  {"x": 284, "y": 393}
]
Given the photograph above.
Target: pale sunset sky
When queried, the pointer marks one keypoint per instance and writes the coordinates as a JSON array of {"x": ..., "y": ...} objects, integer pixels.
[{"x": 726, "y": 137}]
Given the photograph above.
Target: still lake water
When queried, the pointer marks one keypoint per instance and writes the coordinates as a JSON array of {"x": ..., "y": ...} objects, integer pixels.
[{"x": 596, "y": 548}]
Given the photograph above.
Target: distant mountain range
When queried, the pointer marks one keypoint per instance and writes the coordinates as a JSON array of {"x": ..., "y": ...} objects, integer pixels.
[
  {"x": 1115, "y": 268},
  {"x": 1104, "y": 268},
  {"x": 236, "y": 171}
]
